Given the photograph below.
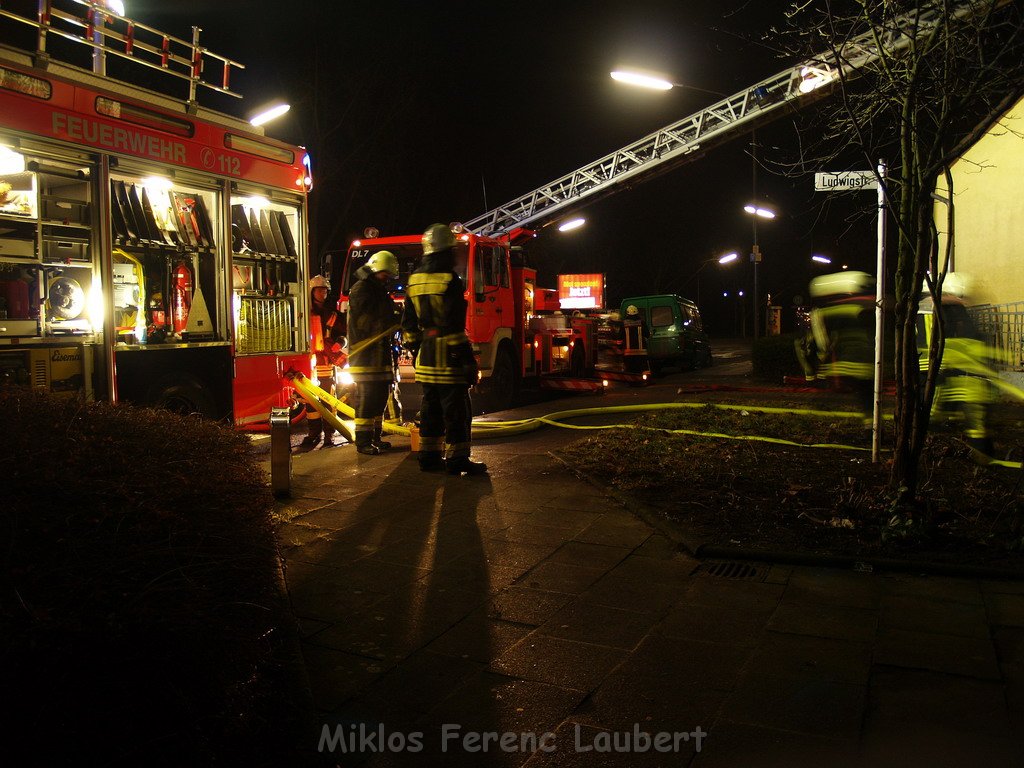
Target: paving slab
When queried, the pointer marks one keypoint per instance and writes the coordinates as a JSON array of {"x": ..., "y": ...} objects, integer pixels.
[
  {"x": 952, "y": 654},
  {"x": 565, "y": 663}
]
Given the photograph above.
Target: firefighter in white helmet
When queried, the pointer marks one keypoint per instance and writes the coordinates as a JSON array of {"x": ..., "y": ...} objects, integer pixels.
[
  {"x": 373, "y": 321},
  {"x": 325, "y": 334},
  {"x": 966, "y": 379},
  {"x": 434, "y": 328},
  {"x": 843, "y": 324}
]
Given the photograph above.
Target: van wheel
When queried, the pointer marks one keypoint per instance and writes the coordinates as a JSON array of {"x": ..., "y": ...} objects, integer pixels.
[{"x": 501, "y": 386}]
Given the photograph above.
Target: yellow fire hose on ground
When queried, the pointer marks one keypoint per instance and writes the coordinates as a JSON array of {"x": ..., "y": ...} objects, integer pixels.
[{"x": 326, "y": 403}]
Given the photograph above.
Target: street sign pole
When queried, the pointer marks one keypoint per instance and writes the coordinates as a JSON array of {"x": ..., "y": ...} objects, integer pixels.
[
  {"x": 845, "y": 181},
  {"x": 876, "y": 415}
]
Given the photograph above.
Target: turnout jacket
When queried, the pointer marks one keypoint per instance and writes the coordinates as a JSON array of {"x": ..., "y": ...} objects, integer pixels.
[
  {"x": 844, "y": 334},
  {"x": 372, "y": 323},
  {"x": 434, "y": 322}
]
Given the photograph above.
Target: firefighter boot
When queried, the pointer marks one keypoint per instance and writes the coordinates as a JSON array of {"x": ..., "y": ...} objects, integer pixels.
[
  {"x": 329, "y": 441},
  {"x": 380, "y": 445},
  {"x": 431, "y": 461},
  {"x": 465, "y": 464},
  {"x": 313, "y": 429}
]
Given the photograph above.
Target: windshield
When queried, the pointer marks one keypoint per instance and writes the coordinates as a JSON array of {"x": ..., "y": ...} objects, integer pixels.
[{"x": 408, "y": 255}]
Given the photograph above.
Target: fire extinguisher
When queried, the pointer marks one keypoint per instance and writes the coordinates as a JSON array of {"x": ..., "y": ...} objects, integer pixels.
[{"x": 181, "y": 296}]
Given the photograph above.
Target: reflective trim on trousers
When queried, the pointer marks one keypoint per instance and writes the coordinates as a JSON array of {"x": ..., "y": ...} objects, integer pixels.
[
  {"x": 456, "y": 450},
  {"x": 433, "y": 443}
]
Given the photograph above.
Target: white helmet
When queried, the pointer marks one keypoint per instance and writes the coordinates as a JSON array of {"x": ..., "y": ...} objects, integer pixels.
[{"x": 319, "y": 282}]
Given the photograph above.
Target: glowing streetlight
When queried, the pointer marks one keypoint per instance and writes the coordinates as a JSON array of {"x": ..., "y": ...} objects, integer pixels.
[
  {"x": 269, "y": 114},
  {"x": 728, "y": 258},
  {"x": 764, "y": 213},
  {"x": 572, "y": 224},
  {"x": 821, "y": 259},
  {"x": 655, "y": 82},
  {"x": 643, "y": 81}
]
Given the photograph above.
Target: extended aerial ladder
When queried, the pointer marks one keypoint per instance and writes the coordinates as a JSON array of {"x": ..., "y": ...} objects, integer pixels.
[{"x": 687, "y": 139}]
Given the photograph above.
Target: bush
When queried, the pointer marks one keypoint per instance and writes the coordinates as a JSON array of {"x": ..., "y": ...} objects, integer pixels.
[{"x": 143, "y": 605}]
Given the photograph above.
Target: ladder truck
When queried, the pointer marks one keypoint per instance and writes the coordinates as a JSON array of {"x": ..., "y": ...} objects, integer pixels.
[{"x": 514, "y": 326}]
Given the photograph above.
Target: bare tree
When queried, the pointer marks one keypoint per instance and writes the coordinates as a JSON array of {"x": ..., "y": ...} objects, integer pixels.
[{"x": 920, "y": 105}]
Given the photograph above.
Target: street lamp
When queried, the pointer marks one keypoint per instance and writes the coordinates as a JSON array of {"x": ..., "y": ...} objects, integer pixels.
[
  {"x": 756, "y": 212},
  {"x": 725, "y": 259},
  {"x": 572, "y": 224},
  {"x": 269, "y": 114},
  {"x": 821, "y": 259},
  {"x": 654, "y": 82}
]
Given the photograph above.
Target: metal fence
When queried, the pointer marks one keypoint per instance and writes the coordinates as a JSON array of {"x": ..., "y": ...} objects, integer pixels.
[{"x": 1004, "y": 324}]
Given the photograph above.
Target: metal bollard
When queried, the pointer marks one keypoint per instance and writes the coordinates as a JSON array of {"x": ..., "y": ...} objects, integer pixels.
[{"x": 280, "y": 452}]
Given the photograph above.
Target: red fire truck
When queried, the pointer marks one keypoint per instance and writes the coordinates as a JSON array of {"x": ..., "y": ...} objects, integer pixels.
[{"x": 151, "y": 250}]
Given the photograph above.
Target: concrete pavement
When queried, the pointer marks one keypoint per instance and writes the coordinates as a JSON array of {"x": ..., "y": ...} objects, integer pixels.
[{"x": 530, "y": 605}]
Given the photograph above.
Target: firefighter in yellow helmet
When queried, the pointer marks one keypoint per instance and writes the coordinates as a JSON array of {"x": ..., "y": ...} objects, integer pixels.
[
  {"x": 434, "y": 329},
  {"x": 373, "y": 321},
  {"x": 843, "y": 324},
  {"x": 325, "y": 333}
]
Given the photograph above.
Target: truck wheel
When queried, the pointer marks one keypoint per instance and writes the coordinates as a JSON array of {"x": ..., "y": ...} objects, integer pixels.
[
  {"x": 185, "y": 396},
  {"x": 499, "y": 393}
]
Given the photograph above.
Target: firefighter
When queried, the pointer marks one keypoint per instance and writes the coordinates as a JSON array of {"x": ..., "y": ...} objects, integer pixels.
[
  {"x": 325, "y": 330},
  {"x": 843, "y": 326},
  {"x": 965, "y": 373},
  {"x": 434, "y": 329},
  {"x": 373, "y": 320},
  {"x": 635, "y": 336}
]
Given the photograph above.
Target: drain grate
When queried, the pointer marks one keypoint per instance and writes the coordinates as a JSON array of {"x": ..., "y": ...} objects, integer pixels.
[{"x": 731, "y": 569}]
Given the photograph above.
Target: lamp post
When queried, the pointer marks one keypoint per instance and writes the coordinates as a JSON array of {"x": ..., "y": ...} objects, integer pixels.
[{"x": 757, "y": 212}]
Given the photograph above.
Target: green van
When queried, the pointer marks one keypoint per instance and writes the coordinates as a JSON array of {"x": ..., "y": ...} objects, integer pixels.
[{"x": 677, "y": 334}]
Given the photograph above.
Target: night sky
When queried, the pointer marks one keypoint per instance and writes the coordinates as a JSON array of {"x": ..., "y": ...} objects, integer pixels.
[{"x": 423, "y": 112}]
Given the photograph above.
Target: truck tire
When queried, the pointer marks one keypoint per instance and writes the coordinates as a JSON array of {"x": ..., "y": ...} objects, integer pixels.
[
  {"x": 500, "y": 388},
  {"x": 183, "y": 395}
]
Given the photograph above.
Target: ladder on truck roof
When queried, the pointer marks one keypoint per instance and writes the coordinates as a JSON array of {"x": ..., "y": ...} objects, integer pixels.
[
  {"x": 734, "y": 115},
  {"x": 97, "y": 26}
]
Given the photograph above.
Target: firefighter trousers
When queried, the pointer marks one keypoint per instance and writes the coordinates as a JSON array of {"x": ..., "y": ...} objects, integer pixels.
[
  {"x": 446, "y": 420},
  {"x": 371, "y": 399}
]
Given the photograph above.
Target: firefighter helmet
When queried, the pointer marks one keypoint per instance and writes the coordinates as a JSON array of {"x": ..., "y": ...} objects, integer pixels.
[
  {"x": 438, "y": 237},
  {"x": 319, "y": 282},
  {"x": 841, "y": 283},
  {"x": 383, "y": 261},
  {"x": 632, "y": 311},
  {"x": 956, "y": 284}
]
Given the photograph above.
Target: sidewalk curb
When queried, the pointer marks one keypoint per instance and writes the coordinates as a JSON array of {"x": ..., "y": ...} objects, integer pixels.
[{"x": 702, "y": 550}]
